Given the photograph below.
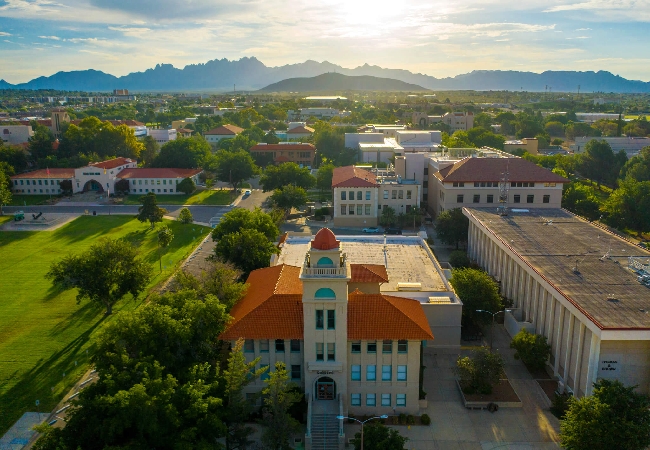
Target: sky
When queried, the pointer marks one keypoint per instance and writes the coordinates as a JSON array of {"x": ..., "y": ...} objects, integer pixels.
[{"x": 434, "y": 37}]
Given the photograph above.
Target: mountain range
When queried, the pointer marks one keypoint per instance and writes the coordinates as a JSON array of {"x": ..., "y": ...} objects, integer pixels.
[
  {"x": 337, "y": 82},
  {"x": 252, "y": 74}
]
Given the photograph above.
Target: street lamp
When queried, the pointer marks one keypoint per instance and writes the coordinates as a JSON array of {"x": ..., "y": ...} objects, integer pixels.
[
  {"x": 492, "y": 326},
  {"x": 367, "y": 420}
]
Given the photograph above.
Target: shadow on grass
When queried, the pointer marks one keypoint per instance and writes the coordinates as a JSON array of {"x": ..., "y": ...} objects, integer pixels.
[{"x": 84, "y": 314}]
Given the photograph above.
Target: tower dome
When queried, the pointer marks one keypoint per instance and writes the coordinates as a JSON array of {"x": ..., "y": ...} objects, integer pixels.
[{"x": 325, "y": 240}]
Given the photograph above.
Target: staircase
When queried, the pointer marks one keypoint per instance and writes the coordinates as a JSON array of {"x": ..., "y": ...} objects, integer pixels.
[{"x": 324, "y": 432}]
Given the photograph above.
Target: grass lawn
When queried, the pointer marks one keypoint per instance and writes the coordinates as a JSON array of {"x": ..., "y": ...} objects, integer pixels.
[
  {"x": 45, "y": 336},
  {"x": 21, "y": 200},
  {"x": 197, "y": 198}
]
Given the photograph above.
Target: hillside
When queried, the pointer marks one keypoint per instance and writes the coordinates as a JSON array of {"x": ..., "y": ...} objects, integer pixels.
[{"x": 331, "y": 82}]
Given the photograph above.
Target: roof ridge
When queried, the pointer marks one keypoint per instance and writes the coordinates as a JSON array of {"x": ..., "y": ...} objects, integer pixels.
[{"x": 275, "y": 286}]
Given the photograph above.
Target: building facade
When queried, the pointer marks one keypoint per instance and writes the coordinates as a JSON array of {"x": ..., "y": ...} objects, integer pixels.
[
  {"x": 300, "y": 153},
  {"x": 159, "y": 181},
  {"x": 223, "y": 132},
  {"x": 456, "y": 121},
  {"x": 16, "y": 134},
  {"x": 162, "y": 136}
]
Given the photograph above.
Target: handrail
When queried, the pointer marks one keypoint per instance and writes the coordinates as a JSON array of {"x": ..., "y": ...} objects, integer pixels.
[
  {"x": 341, "y": 433},
  {"x": 309, "y": 401}
]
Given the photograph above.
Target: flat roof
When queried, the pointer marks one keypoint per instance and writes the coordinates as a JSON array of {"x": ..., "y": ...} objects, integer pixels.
[
  {"x": 405, "y": 258},
  {"x": 554, "y": 242}
]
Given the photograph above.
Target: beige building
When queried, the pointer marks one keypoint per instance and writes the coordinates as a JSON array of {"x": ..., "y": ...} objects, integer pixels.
[
  {"x": 582, "y": 287},
  {"x": 16, "y": 134},
  {"x": 456, "y": 121},
  {"x": 223, "y": 132},
  {"x": 531, "y": 145}
]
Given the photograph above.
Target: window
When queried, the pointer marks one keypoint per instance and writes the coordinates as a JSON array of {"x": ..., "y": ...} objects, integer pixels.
[
  {"x": 320, "y": 351},
  {"x": 549, "y": 184},
  {"x": 331, "y": 321},
  {"x": 386, "y": 373},
  {"x": 400, "y": 399},
  {"x": 477, "y": 198},
  {"x": 164, "y": 181},
  {"x": 530, "y": 198},
  {"x": 387, "y": 347},
  {"x": 351, "y": 210},
  {"x": 459, "y": 184},
  {"x": 359, "y": 210},
  {"x": 401, "y": 373},
  {"x": 546, "y": 199},
  {"x": 367, "y": 195},
  {"x": 355, "y": 399},
  {"x": 459, "y": 198},
  {"x": 371, "y": 373},
  {"x": 266, "y": 373},
  {"x": 426, "y": 171},
  {"x": 393, "y": 194},
  {"x": 356, "y": 347},
  {"x": 359, "y": 195},
  {"x": 408, "y": 195},
  {"x": 344, "y": 210},
  {"x": 517, "y": 198},
  {"x": 372, "y": 347},
  {"x": 402, "y": 346},
  {"x": 386, "y": 194},
  {"x": 295, "y": 346},
  {"x": 400, "y": 194},
  {"x": 249, "y": 346},
  {"x": 351, "y": 195},
  {"x": 490, "y": 198},
  {"x": 371, "y": 399},
  {"x": 385, "y": 399},
  {"x": 355, "y": 372},
  {"x": 319, "y": 319},
  {"x": 367, "y": 212},
  {"x": 477, "y": 184},
  {"x": 343, "y": 195},
  {"x": 279, "y": 346},
  {"x": 295, "y": 371},
  {"x": 264, "y": 346},
  {"x": 331, "y": 356}
]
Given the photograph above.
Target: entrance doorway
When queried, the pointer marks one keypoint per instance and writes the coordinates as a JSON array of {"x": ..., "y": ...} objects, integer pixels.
[
  {"x": 325, "y": 389},
  {"x": 93, "y": 186}
]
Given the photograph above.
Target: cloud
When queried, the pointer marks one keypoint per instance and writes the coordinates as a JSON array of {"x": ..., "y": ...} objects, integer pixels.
[
  {"x": 54, "y": 38},
  {"x": 610, "y": 10},
  {"x": 131, "y": 31},
  {"x": 4, "y": 33}
]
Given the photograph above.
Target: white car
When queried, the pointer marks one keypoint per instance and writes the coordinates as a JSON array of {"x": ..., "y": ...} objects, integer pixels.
[
  {"x": 247, "y": 192},
  {"x": 371, "y": 230}
]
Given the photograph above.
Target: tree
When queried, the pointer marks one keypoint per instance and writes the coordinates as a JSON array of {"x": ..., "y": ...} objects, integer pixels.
[
  {"x": 187, "y": 153},
  {"x": 377, "y": 436},
  {"x": 581, "y": 199},
  {"x": 575, "y": 129},
  {"x": 459, "y": 259},
  {"x": 150, "y": 150},
  {"x": 5, "y": 190},
  {"x": 122, "y": 186},
  {"x": 271, "y": 138},
  {"x": 629, "y": 205},
  {"x": 554, "y": 128},
  {"x": 15, "y": 156},
  {"x": 532, "y": 349},
  {"x": 614, "y": 416},
  {"x": 483, "y": 120},
  {"x": 104, "y": 274},
  {"x": 235, "y": 167},
  {"x": 66, "y": 187},
  {"x": 150, "y": 211},
  {"x": 279, "y": 426},
  {"x": 477, "y": 291},
  {"x": 237, "y": 375},
  {"x": 480, "y": 371},
  {"x": 289, "y": 197},
  {"x": 165, "y": 237},
  {"x": 239, "y": 218},
  {"x": 638, "y": 167},
  {"x": 285, "y": 174},
  {"x": 324, "y": 176},
  {"x": 185, "y": 216},
  {"x": 452, "y": 227},
  {"x": 247, "y": 249},
  {"x": 220, "y": 279},
  {"x": 186, "y": 186},
  {"x": 388, "y": 217},
  {"x": 40, "y": 145}
]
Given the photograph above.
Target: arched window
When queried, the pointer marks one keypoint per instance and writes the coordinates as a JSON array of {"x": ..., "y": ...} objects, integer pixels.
[
  {"x": 325, "y": 262},
  {"x": 325, "y": 293}
]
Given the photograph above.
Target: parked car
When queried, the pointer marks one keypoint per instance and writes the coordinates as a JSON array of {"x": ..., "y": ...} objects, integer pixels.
[
  {"x": 247, "y": 192},
  {"x": 371, "y": 230},
  {"x": 392, "y": 231}
]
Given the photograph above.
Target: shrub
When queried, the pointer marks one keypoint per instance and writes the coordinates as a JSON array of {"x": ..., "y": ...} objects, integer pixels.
[
  {"x": 425, "y": 419},
  {"x": 402, "y": 419},
  {"x": 532, "y": 349},
  {"x": 186, "y": 186},
  {"x": 410, "y": 420},
  {"x": 459, "y": 259},
  {"x": 479, "y": 372},
  {"x": 560, "y": 405},
  {"x": 185, "y": 216}
]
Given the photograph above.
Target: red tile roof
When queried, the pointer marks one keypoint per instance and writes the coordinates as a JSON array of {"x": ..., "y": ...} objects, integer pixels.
[
  {"x": 275, "y": 147},
  {"x": 368, "y": 273},
  {"x": 227, "y": 130},
  {"x": 301, "y": 130},
  {"x": 112, "y": 163},
  {"x": 491, "y": 169},
  {"x": 325, "y": 240},
  {"x": 157, "y": 173},
  {"x": 42, "y": 173},
  {"x": 352, "y": 176}
]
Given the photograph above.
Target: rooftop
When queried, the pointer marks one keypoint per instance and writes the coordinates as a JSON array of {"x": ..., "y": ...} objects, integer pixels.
[
  {"x": 472, "y": 169},
  {"x": 140, "y": 172},
  {"x": 352, "y": 176},
  {"x": 112, "y": 163},
  {"x": 43, "y": 173},
  {"x": 553, "y": 242},
  {"x": 225, "y": 130}
]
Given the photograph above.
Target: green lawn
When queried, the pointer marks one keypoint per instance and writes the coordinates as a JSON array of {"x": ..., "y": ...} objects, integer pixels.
[
  {"x": 197, "y": 198},
  {"x": 44, "y": 333},
  {"x": 22, "y": 200}
]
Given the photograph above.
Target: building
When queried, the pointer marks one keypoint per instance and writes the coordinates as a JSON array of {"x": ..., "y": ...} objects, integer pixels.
[
  {"x": 16, "y": 134},
  {"x": 479, "y": 181},
  {"x": 337, "y": 312},
  {"x": 419, "y": 141},
  {"x": 360, "y": 195},
  {"x": 159, "y": 181},
  {"x": 300, "y": 153},
  {"x": 162, "y": 136},
  {"x": 184, "y": 132},
  {"x": 41, "y": 182},
  {"x": 456, "y": 121},
  {"x": 176, "y": 124},
  {"x": 631, "y": 145},
  {"x": 319, "y": 113},
  {"x": 223, "y": 132},
  {"x": 582, "y": 287},
  {"x": 299, "y": 130},
  {"x": 531, "y": 145},
  {"x": 325, "y": 98}
]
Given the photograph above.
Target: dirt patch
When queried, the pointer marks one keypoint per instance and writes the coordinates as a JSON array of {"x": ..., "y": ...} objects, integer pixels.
[
  {"x": 502, "y": 392},
  {"x": 549, "y": 387}
]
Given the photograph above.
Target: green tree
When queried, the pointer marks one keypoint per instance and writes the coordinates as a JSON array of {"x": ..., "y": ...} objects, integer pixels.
[
  {"x": 186, "y": 186},
  {"x": 324, "y": 176},
  {"x": 483, "y": 120},
  {"x": 554, "y": 128},
  {"x": 459, "y": 259},
  {"x": 150, "y": 150},
  {"x": 638, "y": 167},
  {"x": 185, "y": 216},
  {"x": 165, "y": 237},
  {"x": 377, "y": 436},
  {"x": 66, "y": 187},
  {"x": 40, "y": 145},
  {"x": 103, "y": 274},
  {"x": 286, "y": 174},
  {"x": 599, "y": 162},
  {"x": 122, "y": 186},
  {"x": 220, "y": 279},
  {"x": 187, "y": 153},
  {"x": 279, "y": 426},
  {"x": 614, "y": 416},
  {"x": 532, "y": 349},
  {"x": 289, "y": 197},
  {"x": 576, "y": 129},
  {"x": 388, "y": 217},
  {"x": 235, "y": 167},
  {"x": 271, "y": 138},
  {"x": 248, "y": 249},
  {"x": 150, "y": 211},
  {"x": 581, "y": 199},
  {"x": 239, "y": 218},
  {"x": 452, "y": 227},
  {"x": 477, "y": 291},
  {"x": 14, "y": 156},
  {"x": 5, "y": 190},
  {"x": 480, "y": 371},
  {"x": 629, "y": 205}
]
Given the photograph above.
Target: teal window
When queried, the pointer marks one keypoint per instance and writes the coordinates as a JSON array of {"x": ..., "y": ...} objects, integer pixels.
[
  {"x": 295, "y": 346},
  {"x": 372, "y": 347},
  {"x": 356, "y": 347},
  {"x": 400, "y": 400},
  {"x": 371, "y": 399},
  {"x": 249, "y": 346},
  {"x": 320, "y": 351},
  {"x": 264, "y": 346},
  {"x": 371, "y": 373},
  {"x": 279, "y": 346},
  {"x": 401, "y": 373},
  {"x": 325, "y": 293},
  {"x": 385, "y": 399},
  {"x": 325, "y": 262},
  {"x": 387, "y": 347},
  {"x": 355, "y": 399},
  {"x": 355, "y": 373},
  {"x": 386, "y": 373},
  {"x": 402, "y": 346}
]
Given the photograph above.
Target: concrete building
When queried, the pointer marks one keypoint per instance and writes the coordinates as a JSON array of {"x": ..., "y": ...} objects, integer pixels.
[
  {"x": 176, "y": 124},
  {"x": 582, "y": 287},
  {"x": 381, "y": 144},
  {"x": 16, "y": 134},
  {"x": 531, "y": 145},
  {"x": 162, "y": 136},
  {"x": 631, "y": 145},
  {"x": 419, "y": 141},
  {"x": 160, "y": 181},
  {"x": 41, "y": 182},
  {"x": 223, "y": 132},
  {"x": 300, "y": 153},
  {"x": 456, "y": 121},
  {"x": 319, "y": 113}
]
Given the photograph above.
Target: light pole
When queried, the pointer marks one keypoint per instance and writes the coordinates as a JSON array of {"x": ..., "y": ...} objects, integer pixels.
[
  {"x": 492, "y": 326},
  {"x": 362, "y": 423}
]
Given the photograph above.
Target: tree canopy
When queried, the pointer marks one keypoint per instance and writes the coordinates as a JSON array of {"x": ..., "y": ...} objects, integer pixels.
[
  {"x": 377, "y": 436},
  {"x": 150, "y": 211},
  {"x": 285, "y": 174},
  {"x": 477, "y": 291},
  {"x": 234, "y": 167},
  {"x": 248, "y": 249},
  {"x": 629, "y": 205},
  {"x": 183, "y": 153},
  {"x": 5, "y": 190},
  {"x": 239, "y": 218},
  {"x": 220, "y": 279},
  {"x": 279, "y": 426},
  {"x": 289, "y": 197},
  {"x": 452, "y": 227}
]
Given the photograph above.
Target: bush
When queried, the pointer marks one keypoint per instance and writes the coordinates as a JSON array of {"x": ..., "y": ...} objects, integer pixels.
[
  {"x": 560, "y": 405},
  {"x": 185, "y": 216},
  {"x": 402, "y": 419},
  {"x": 425, "y": 419},
  {"x": 186, "y": 186},
  {"x": 532, "y": 349},
  {"x": 479, "y": 372},
  {"x": 459, "y": 259},
  {"x": 410, "y": 420}
]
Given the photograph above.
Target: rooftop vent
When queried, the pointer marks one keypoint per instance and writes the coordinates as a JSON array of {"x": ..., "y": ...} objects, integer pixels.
[
  {"x": 407, "y": 286},
  {"x": 440, "y": 300}
]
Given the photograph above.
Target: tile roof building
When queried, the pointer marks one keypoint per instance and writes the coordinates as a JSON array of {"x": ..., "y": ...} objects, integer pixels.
[
  {"x": 348, "y": 319},
  {"x": 300, "y": 153},
  {"x": 227, "y": 131}
]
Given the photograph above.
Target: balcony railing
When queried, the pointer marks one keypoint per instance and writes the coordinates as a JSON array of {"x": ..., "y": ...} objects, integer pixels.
[{"x": 324, "y": 271}]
